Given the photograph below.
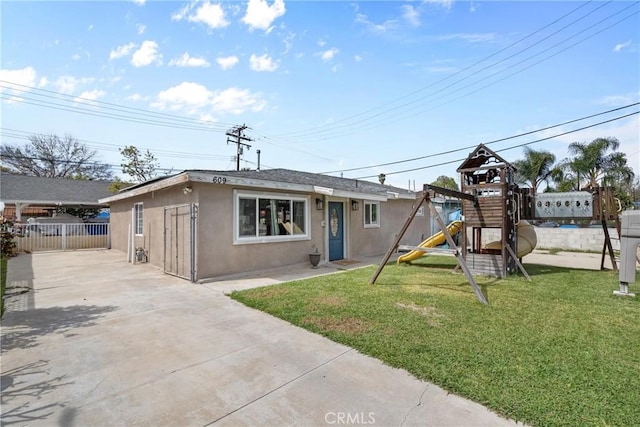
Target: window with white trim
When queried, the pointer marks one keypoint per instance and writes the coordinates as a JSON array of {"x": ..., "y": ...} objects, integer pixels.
[
  {"x": 137, "y": 217},
  {"x": 371, "y": 214},
  {"x": 270, "y": 217}
]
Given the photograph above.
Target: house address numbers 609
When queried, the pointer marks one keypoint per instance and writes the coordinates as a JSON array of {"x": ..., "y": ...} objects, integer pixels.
[{"x": 219, "y": 180}]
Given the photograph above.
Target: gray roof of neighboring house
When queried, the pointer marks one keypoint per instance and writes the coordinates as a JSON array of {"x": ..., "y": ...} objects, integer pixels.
[
  {"x": 300, "y": 181},
  {"x": 51, "y": 191}
]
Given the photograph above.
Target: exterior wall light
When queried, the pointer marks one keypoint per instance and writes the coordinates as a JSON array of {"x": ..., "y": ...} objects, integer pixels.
[
  {"x": 319, "y": 204},
  {"x": 355, "y": 205}
]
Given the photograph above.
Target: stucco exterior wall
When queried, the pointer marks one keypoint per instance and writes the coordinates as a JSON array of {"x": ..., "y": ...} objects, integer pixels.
[
  {"x": 152, "y": 238},
  {"x": 219, "y": 255},
  {"x": 216, "y": 252},
  {"x": 393, "y": 215}
]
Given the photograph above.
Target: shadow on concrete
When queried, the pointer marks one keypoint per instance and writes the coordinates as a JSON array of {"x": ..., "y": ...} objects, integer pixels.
[
  {"x": 23, "y": 329},
  {"x": 19, "y": 293},
  {"x": 20, "y": 395}
]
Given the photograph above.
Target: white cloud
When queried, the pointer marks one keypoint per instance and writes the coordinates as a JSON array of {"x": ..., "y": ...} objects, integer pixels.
[
  {"x": 90, "y": 27},
  {"x": 189, "y": 61},
  {"x": 90, "y": 95},
  {"x": 620, "y": 100},
  {"x": 121, "y": 51},
  {"x": 288, "y": 42},
  {"x": 68, "y": 84},
  {"x": 146, "y": 55},
  {"x": 329, "y": 54},
  {"x": 357, "y": 58},
  {"x": 621, "y": 46},
  {"x": 184, "y": 95},
  {"x": 208, "y": 13},
  {"x": 237, "y": 101},
  {"x": 24, "y": 76},
  {"x": 135, "y": 97},
  {"x": 443, "y": 69},
  {"x": 376, "y": 28},
  {"x": 442, "y": 3},
  {"x": 196, "y": 99},
  {"x": 227, "y": 62},
  {"x": 43, "y": 82},
  {"x": 470, "y": 37},
  {"x": 411, "y": 15},
  {"x": 139, "y": 2},
  {"x": 141, "y": 28},
  {"x": 262, "y": 63},
  {"x": 260, "y": 15},
  {"x": 321, "y": 42},
  {"x": 76, "y": 56}
]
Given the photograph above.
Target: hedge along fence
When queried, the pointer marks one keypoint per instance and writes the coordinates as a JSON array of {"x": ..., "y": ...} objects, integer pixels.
[{"x": 581, "y": 239}]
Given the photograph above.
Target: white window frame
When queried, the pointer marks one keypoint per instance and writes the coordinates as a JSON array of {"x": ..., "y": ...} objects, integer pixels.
[
  {"x": 138, "y": 218},
  {"x": 367, "y": 208},
  {"x": 244, "y": 240}
]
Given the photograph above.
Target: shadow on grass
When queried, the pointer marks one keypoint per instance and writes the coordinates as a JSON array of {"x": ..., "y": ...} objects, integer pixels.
[
  {"x": 540, "y": 269},
  {"x": 23, "y": 329},
  {"x": 22, "y": 388}
]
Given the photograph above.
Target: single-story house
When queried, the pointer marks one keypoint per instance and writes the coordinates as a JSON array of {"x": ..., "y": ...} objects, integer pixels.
[
  {"x": 18, "y": 192},
  {"x": 200, "y": 224}
]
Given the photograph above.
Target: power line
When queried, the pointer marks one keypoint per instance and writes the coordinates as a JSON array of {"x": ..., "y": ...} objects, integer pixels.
[
  {"x": 508, "y": 148},
  {"x": 404, "y": 116},
  {"x": 442, "y": 153},
  {"x": 24, "y": 135},
  {"x": 333, "y": 131},
  {"x": 380, "y": 107},
  {"x": 107, "y": 105}
]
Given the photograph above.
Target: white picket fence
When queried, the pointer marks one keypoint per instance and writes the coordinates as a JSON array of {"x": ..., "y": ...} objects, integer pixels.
[{"x": 63, "y": 237}]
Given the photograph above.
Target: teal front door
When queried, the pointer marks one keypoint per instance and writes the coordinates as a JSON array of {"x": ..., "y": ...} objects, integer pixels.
[{"x": 336, "y": 231}]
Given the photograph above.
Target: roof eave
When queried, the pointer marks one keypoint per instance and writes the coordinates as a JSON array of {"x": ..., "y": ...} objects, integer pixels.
[{"x": 220, "y": 178}]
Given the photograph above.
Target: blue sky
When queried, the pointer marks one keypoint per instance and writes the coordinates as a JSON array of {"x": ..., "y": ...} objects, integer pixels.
[{"x": 325, "y": 86}]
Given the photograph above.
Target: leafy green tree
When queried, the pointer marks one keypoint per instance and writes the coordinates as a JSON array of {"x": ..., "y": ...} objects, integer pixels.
[
  {"x": 535, "y": 168},
  {"x": 118, "y": 185},
  {"x": 54, "y": 157},
  {"x": 446, "y": 182},
  {"x": 139, "y": 166}
]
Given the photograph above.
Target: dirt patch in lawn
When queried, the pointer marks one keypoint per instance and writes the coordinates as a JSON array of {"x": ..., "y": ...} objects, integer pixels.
[
  {"x": 430, "y": 313},
  {"x": 349, "y": 325}
]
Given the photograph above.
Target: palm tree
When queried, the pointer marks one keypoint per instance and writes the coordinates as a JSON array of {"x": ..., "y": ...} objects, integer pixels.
[
  {"x": 598, "y": 162},
  {"x": 535, "y": 169}
]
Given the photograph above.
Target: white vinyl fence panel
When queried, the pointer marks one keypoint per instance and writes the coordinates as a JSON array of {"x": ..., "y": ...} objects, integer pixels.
[{"x": 63, "y": 237}]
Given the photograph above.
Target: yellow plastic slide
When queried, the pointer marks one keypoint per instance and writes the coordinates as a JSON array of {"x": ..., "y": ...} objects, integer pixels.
[
  {"x": 527, "y": 239},
  {"x": 435, "y": 240}
]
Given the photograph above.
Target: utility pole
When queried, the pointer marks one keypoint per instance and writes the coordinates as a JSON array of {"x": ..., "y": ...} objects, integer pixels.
[{"x": 236, "y": 136}]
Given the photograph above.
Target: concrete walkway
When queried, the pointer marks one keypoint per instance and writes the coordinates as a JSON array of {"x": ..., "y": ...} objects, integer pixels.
[{"x": 95, "y": 341}]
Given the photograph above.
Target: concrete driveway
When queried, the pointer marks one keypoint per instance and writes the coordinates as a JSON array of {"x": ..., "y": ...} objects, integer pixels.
[{"x": 99, "y": 342}]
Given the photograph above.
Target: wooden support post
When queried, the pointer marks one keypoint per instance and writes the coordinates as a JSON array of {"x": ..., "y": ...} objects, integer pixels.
[
  {"x": 395, "y": 243},
  {"x": 518, "y": 263},
  {"x": 461, "y": 260},
  {"x": 607, "y": 246}
]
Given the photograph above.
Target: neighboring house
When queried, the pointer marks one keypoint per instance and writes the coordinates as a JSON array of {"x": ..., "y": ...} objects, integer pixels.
[
  {"x": 18, "y": 192},
  {"x": 200, "y": 224}
]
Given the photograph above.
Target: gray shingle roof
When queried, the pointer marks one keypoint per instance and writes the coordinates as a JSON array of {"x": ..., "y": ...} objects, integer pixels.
[
  {"x": 308, "y": 178},
  {"x": 38, "y": 190}
]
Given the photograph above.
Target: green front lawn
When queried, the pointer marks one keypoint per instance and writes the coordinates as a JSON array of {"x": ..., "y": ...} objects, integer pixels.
[{"x": 560, "y": 350}]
